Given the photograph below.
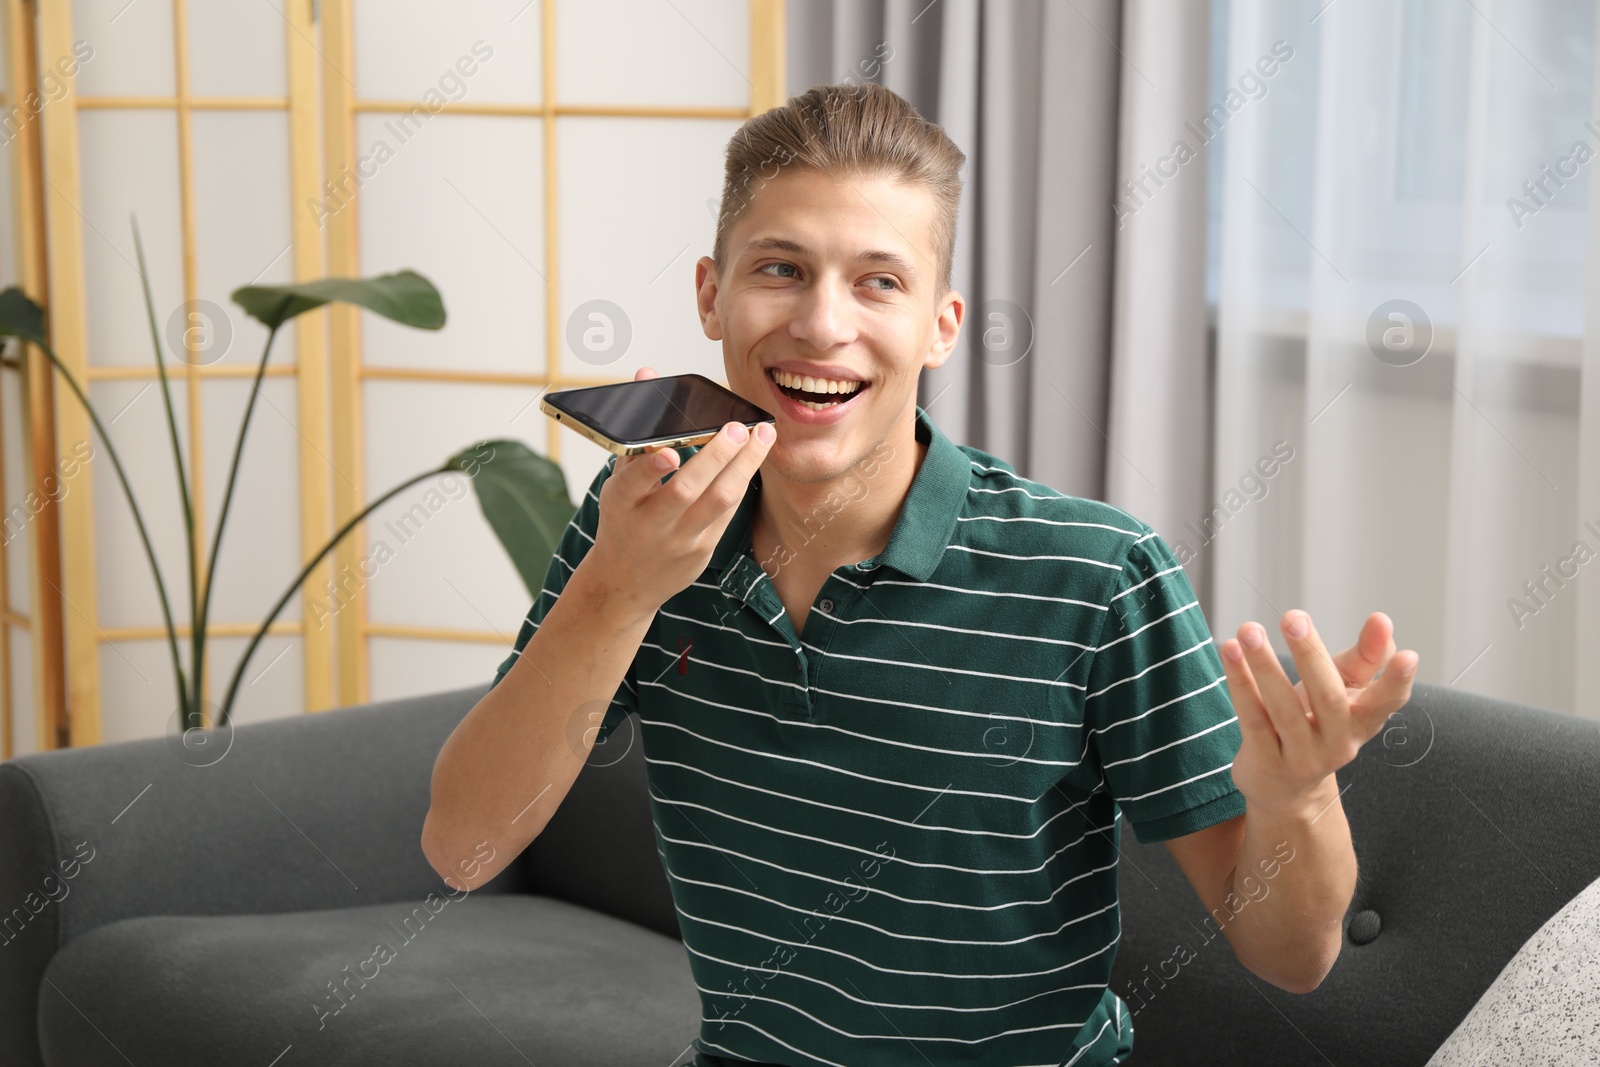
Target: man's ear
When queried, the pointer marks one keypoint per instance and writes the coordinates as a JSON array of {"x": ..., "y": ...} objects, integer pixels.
[
  {"x": 947, "y": 328},
  {"x": 705, "y": 297}
]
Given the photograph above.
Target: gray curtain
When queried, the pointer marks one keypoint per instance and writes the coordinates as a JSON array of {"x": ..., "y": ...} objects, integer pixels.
[{"x": 1084, "y": 352}]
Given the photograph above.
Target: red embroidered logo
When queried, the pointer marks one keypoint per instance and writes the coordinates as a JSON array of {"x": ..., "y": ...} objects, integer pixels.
[{"x": 684, "y": 645}]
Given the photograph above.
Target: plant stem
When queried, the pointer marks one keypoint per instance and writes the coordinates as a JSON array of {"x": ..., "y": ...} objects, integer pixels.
[
  {"x": 138, "y": 519},
  {"x": 222, "y": 521},
  {"x": 191, "y": 715},
  {"x": 261, "y": 632}
]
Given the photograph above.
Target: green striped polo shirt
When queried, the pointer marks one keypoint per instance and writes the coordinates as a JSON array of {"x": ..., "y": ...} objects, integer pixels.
[{"x": 893, "y": 840}]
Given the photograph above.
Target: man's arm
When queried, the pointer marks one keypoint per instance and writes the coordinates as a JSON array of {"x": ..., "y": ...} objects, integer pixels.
[
  {"x": 1277, "y": 888},
  {"x": 1289, "y": 860},
  {"x": 510, "y": 762}
]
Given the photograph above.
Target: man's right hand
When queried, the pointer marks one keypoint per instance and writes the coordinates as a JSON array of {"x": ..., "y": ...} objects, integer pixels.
[{"x": 653, "y": 539}]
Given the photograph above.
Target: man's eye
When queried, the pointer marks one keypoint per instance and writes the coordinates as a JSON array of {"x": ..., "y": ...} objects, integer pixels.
[
  {"x": 790, "y": 266},
  {"x": 890, "y": 287}
]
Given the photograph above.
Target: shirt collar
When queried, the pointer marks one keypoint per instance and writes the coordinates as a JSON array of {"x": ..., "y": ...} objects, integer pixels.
[{"x": 922, "y": 532}]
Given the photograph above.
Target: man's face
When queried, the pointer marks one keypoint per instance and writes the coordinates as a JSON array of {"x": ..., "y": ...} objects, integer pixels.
[{"x": 832, "y": 278}]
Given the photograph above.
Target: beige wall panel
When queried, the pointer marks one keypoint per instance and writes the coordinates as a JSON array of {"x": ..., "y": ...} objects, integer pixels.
[
  {"x": 132, "y": 47},
  {"x": 274, "y": 682},
  {"x": 24, "y": 725},
  {"x": 403, "y": 48},
  {"x": 460, "y": 202},
  {"x": 241, "y": 213},
  {"x": 632, "y": 229},
  {"x": 689, "y": 52},
  {"x": 236, "y": 49},
  {"x": 138, "y": 698},
  {"x": 16, "y": 531},
  {"x": 261, "y": 551},
  {"x": 130, "y": 166},
  {"x": 403, "y": 668},
  {"x": 127, "y": 593}
]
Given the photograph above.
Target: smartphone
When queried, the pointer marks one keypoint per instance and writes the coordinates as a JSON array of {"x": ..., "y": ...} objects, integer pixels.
[{"x": 629, "y": 418}]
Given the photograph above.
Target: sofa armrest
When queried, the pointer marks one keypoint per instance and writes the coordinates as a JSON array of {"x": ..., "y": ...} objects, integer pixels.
[{"x": 303, "y": 813}]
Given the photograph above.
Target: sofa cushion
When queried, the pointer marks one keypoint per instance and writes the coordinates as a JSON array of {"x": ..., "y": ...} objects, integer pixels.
[
  {"x": 1545, "y": 1005},
  {"x": 475, "y": 979}
]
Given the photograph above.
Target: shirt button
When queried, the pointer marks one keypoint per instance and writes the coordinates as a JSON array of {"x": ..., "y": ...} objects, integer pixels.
[{"x": 826, "y": 606}]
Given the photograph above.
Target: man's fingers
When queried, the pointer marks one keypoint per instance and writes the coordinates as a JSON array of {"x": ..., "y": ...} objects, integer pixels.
[
  {"x": 1387, "y": 695},
  {"x": 701, "y": 502},
  {"x": 636, "y": 476},
  {"x": 1254, "y": 723},
  {"x": 1318, "y": 673},
  {"x": 1277, "y": 694},
  {"x": 1374, "y": 646},
  {"x": 727, "y": 488}
]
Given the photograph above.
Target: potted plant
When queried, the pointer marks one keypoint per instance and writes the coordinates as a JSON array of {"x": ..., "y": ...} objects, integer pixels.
[{"x": 522, "y": 494}]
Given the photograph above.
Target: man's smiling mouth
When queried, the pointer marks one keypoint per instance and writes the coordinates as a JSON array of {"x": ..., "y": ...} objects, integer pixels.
[{"x": 816, "y": 393}]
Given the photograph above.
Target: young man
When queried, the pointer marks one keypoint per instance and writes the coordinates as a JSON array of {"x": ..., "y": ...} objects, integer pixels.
[{"x": 893, "y": 696}]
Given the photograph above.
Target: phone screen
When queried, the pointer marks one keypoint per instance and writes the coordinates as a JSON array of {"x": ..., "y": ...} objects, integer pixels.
[{"x": 678, "y": 405}]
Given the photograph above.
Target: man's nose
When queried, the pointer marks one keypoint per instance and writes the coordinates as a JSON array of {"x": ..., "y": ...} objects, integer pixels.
[{"x": 825, "y": 317}]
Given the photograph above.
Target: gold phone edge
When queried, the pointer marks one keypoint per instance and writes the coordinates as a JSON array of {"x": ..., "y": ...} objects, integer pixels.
[{"x": 618, "y": 447}]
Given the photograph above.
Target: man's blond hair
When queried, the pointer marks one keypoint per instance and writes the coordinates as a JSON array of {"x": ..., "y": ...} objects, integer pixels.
[{"x": 850, "y": 130}]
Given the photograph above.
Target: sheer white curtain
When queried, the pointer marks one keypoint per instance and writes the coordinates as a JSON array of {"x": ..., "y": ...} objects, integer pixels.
[{"x": 1408, "y": 376}]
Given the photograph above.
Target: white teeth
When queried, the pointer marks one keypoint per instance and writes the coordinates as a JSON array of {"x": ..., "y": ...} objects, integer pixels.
[
  {"x": 814, "y": 385},
  {"x": 814, "y": 406}
]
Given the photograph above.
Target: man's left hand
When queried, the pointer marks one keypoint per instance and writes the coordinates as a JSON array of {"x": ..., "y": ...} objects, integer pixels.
[{"x": 1294, "y": 737}]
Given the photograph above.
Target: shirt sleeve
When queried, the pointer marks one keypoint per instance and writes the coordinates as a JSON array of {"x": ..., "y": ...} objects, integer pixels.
[
  {"x": 1157, "y": 707},
  {"x": 576, "y": 540}
]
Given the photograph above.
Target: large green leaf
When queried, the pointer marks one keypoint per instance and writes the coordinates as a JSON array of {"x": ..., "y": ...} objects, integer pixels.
[
  {"x": 406, "y": 297},
  {"x": 524, "y": 497},
  {"x": 21, "y": 317}
]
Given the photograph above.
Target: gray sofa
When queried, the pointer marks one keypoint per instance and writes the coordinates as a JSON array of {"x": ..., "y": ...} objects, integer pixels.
[{"x": 165, "y": 906}]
